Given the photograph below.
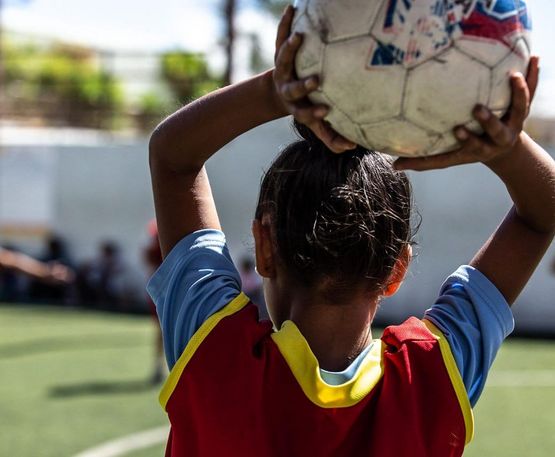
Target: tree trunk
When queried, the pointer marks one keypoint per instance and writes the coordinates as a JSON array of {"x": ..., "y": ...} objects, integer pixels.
[{"x": 230, "y": 8}]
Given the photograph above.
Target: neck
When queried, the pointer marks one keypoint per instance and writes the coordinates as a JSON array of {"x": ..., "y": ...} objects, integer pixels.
[{"x": 336, "y": 333}]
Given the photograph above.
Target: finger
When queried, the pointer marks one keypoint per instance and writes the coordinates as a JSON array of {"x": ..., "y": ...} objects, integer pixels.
[
  {"x": 308, "y": 113},
  {"x": 298, "y": 90},
  {"x": 533, "y": 76},
  {"x": 336, "y": 142},
  {"x": 341, "y": 143},
  {"x": 438, "y": 162},
  {"x": 520, "y": 102},
  {"x": 499, "y": 133},
  {"x": 286, "y": 58},
  {"x": 468, "y": 153},
  {"x": 325, "y": 134},
  {"x": 474, "y": 147},
  {"x": 284, "y": 27},
  {"x": 331, "y": 139}
]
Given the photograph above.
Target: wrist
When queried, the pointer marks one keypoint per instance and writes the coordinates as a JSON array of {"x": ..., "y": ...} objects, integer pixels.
[
  {"x": 272, "y": 99},
  {"x": 504, "y": 162}
]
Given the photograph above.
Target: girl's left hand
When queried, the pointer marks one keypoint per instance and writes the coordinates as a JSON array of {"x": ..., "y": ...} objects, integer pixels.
[
  {"x": 293, "y": 92},
  {"x": 500, "y": 135}
]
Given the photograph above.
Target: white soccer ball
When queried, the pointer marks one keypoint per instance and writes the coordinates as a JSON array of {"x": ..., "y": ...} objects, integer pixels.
[{"x": 399, "y": 75}]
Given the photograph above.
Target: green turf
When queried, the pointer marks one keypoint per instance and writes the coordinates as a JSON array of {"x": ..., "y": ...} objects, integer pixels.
[
  {"x": 514, "y": 418},
  {"x": 71, "y": 380},
  {"x": 154, "y": 451}
]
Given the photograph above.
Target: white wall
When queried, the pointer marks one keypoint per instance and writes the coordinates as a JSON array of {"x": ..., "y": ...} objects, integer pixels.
[{"x": 102, "y": 191}]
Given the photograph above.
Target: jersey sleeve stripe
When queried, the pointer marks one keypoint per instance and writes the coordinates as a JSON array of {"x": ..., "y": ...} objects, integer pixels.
[
  {"x": 456, "y": 380},
  {"x": 232, "y": 307}
]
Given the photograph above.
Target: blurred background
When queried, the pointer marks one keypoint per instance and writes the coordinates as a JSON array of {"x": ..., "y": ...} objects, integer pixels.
[{"x": 81, "y": 86}]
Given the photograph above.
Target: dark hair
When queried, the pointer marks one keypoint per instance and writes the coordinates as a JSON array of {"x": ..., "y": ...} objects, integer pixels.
[{"x": 337, "y": 219}]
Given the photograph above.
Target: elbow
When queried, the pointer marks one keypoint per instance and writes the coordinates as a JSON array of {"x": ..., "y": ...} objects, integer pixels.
[
  {"x": 161, "y": 154},
  {"x": 168, "y": 151},
  {"x": 156, "y": 144}
]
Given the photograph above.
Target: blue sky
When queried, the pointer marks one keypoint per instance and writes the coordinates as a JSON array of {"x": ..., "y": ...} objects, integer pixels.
[{"x": 195, "y": 24}]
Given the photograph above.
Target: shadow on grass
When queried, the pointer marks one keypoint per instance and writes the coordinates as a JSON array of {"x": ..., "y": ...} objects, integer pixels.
[
  {"x": 68, "y": 343},
  {"x": 102, "y": 388}
]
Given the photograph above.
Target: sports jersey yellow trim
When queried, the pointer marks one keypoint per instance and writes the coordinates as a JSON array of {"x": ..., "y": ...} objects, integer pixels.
[
  {"x": 304, "y": 366},
  {"x": 456, "y": 379},
  {"x": 232, "y": 307}
]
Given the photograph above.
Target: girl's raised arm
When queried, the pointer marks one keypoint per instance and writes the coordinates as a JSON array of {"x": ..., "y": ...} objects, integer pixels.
[
  {"x": 183, "y": 142},
  {"x": 514, "y": 251}
]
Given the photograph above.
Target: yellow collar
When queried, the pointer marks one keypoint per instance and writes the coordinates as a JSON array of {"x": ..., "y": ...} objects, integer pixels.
[{"x": 304, "y": 366}]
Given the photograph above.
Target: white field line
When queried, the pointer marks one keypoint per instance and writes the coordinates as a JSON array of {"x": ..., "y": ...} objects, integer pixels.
[
  {"x": 522, "y": 378},
  {"x": 128, "y": 443}
]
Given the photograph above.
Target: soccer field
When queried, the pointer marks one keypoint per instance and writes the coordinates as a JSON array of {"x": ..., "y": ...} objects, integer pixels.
[{"x": 71, "y": 381}]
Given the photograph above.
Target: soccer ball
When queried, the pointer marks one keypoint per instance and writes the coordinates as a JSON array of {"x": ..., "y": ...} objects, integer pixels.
[{"x": 399, "y": 75}]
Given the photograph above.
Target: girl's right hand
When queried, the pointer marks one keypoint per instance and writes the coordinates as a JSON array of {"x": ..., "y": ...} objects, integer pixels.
[
  {"x": 293, "y": 92},
  {"x": 500, "y": 138}
]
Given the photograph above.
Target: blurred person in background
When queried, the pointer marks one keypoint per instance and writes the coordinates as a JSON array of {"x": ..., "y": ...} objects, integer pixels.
[
  {"x": 11, "y": 287},
  {"x": 252, "y": 285},
  {"x": 13, "y": 263},
  {"x": 152, "y": 255},
  {"x": 55, "y": 252},
  {"x": 99, "y": 281}
]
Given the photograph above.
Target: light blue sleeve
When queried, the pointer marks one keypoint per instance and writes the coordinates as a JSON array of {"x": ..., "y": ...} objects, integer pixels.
[
  {"x": 196, "y": 279},
  {"x": 475, "y": 318}
]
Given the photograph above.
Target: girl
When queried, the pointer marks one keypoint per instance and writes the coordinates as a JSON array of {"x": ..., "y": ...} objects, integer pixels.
[{"x": 332, "y": 237}]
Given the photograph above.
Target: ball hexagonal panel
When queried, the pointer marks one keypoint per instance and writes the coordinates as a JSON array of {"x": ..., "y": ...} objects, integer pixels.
[
  {"x": 311, "y": 54},
  {"x": 489, "y": 52},
  {"x": 411, "y": 32},
  {"x": 500, "y": 93},
  {"x": 342, "y": 123},
  {"x": 446, "y": 143},
  {"x": 398, "y": 137},
  {"x": 441, "y": 93},
  {"x": 367, "y": 94},
  {"x": 340, "y": 20}
]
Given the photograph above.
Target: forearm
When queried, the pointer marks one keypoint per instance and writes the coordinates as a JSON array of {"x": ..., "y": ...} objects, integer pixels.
[
  {"x": 529, "y": 175},
  {"x": 513, "y": 252},
  {"x": 186, "y": 139},
  {"x": 23, "y": 264}
]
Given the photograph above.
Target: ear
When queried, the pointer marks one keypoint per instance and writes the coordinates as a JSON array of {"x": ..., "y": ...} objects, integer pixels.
[
  {"x": 399, "y": 272},
  {"x": 263, "y": 247}
]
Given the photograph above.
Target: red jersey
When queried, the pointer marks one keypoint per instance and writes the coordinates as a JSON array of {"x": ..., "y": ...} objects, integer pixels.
[{"x": 240, "y": 389}]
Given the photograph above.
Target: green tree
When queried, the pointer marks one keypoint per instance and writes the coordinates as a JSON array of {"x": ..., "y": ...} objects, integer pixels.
[
  {"x": 60, "y": 84},
  {"x": 152, "y": 108},
  {"x": 86, "y": 96},
  {"x": 187, "y": 75}
]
